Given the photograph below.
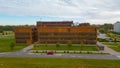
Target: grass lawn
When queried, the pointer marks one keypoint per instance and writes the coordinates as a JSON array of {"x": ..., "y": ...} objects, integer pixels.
[
  {"x": 5, "y": 42},
  {"x": 113, "y": 46},
  {"x": 57, "y": 63},
  {"x": 53, "y": 47}
]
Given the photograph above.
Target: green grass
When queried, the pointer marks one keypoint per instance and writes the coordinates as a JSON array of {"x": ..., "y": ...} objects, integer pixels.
[
  {"x": 53, "y": 47},
  {"x": 57, "y": 63},
  {"x": 5, "y": 42},
  {"x": 113, "y": 46}
]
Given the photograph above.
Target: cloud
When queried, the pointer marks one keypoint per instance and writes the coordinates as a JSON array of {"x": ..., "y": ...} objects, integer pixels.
[{"x": 90, "y": 10}]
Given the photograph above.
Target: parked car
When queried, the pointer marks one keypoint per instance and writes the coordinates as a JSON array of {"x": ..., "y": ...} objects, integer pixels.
[{"x": 50, "y": 53}]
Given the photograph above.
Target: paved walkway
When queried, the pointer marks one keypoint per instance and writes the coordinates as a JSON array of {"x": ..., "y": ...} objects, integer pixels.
[
  {"x": 27, "y": 48},
  {"x": 109, "y": 50}
]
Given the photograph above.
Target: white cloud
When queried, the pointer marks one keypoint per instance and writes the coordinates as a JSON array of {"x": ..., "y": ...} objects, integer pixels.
[{"x": 91, "y": 10}]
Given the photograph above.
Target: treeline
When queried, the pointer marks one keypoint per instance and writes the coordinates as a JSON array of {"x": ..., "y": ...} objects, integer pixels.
[
  {"x": 11, "y": 27},
  {"x": 6, "y": 28},
  {"x": 105, "y": 28}
]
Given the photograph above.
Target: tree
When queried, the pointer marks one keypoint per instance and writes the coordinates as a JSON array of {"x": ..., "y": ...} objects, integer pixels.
[
  {"x": 12, "y": 45},
  {"x": 35, "y": 45},
  {"x": 81, "y": 45},
  {"x": 69, "y": 44},
  {"x": 57, "y": 44},
  {"x": 46, "y": 44},
  {"x": 114, "y": 37}
]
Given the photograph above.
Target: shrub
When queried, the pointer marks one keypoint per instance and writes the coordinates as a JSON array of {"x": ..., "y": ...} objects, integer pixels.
[
  {"x": 12, "y": 45},
  {"x": 67, "y": 51},
  {"x": 88, "y": 52},
  {"x": 64, "y": 51},
  {"x": 36, "y": 51}
]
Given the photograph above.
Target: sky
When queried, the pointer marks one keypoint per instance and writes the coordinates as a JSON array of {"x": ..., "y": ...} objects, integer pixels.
[{"x": 20, "y": 12}]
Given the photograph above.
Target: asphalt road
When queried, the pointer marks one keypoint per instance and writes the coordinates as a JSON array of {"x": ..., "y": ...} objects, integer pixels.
[
  {"x": 83, "y": 56},
  {"x": 25, "y": 53}
]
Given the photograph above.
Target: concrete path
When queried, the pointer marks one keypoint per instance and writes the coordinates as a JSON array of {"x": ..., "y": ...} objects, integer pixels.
[
  {"x": 111, "y": 51},
  {"x": 27, "y": 48}
]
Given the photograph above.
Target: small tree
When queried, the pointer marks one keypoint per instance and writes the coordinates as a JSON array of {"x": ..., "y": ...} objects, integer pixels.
[
  {"x": 81, "y": 45},
  {"x": 12, "y": 45},
  {"x": 69, "y": 44},
  {"x": 57, "y": 44},
  {"x": 35, "y": 45},
  {"x": 46, "y": 44}
]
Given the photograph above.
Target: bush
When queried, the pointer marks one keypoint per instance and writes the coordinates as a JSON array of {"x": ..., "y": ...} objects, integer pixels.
[
  {"x": 64, "y": 51},
  {"x": 37, "y": 51},
  {"x": 67, "y": 51},
  {"x": 88, "y": 52},
  {"x": 12, "y": 45},
  {"x": 102, "y": 40}
]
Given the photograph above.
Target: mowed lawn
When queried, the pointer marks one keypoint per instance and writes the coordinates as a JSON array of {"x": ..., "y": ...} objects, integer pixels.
[
  {"x": 5, "y": 42},
  {"x": 65, "y": 47},
  {"x": 114, "y": 46},
  {"x": 57, "y": 63}
]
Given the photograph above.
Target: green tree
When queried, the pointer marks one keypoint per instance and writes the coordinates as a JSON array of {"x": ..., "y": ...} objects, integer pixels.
[
  {"x": 114, "y": 38},
  {"x": 12, "y": 45},
  {"x": 46, "y": 44},
  {"x": 35, "y": 45},
  {"x": 81, "y": 46},
  {"x": 69, "y": 44},
  {"x": 57, "y": 44}
]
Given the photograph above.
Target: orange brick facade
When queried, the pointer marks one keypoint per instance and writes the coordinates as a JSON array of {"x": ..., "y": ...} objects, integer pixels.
[{"x": 62, "y": 32}]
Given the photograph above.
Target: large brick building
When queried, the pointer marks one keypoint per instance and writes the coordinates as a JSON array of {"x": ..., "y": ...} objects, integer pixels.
[{"x": 53, "y": 32}]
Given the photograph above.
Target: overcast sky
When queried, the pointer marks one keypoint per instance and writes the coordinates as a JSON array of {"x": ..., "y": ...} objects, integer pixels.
[{"x": 30, "y": 11}]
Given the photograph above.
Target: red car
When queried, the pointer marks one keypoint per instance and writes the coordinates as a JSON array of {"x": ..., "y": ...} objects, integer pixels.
[{"x": 50, "y": 53}]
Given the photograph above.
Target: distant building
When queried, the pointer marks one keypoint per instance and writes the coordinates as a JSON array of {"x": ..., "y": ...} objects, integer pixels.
[
  {"x": 25, "y": 35},
  {"x": 52, "y": 32},
  {"x": 117, "y": 27},
  {"x": 84, "y": 24}
]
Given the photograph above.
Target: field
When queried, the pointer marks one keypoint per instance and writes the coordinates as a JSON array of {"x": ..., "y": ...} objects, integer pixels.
[
  {"x": 5, "y": 42},
  {"x": 114, "y": 46},
  {"x": 65, "y": 47},
  {"x": 57, "y": 63}
]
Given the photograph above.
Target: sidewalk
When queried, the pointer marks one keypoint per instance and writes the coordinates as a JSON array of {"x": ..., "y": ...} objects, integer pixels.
[{"x": 111, "y": 51}]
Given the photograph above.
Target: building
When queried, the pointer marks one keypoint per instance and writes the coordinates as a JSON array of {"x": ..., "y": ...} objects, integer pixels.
[
  {"x": 25, "y": 35},
  {"x": 117, "y": 27},
  {"x": 58, "y": 31},
  {"x": 84, "y": 24},
  {"x": 62, "y": 32},
  {"x": 44, "y": 24}
]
